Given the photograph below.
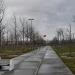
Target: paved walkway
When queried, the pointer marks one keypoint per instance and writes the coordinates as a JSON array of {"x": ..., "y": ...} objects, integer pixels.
[{"x": 43, "y": 61}]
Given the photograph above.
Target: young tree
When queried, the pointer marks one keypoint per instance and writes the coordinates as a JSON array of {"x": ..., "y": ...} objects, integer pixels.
[
  {"x": 2, "y": 10},
  {"x": 60, "y": 34},
  {"x": 16, "y": 34},
  {"x": 22, "y": 21}
]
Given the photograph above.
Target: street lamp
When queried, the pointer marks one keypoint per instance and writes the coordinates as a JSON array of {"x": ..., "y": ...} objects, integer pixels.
[
  {"x": 31, "y": 19},
  {"x": 31, "y": 35}
]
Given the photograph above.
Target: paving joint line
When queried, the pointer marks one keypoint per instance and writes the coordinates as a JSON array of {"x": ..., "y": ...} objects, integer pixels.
[{"x": 36, "y": 73}]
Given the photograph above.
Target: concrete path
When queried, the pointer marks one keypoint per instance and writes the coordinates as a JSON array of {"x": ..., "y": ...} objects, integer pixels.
[{"x": 43, "y": 61}]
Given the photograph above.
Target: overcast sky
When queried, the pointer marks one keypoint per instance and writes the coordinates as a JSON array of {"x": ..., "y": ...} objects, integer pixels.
[{"x": 48, "y": 14}]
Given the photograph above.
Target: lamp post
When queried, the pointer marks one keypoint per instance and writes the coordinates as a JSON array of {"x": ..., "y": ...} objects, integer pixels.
[
  {"x": 31, "y": 19},
  {"x": 31, "y": 35}
]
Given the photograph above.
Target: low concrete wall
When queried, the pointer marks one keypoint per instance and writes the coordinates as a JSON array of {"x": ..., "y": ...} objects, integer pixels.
[
  {"x": 15, "y": 61},
  {"x": 10, "y": 64}
]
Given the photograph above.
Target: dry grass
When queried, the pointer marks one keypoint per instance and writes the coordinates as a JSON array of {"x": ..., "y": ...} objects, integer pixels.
[{"x": 67, "y": 54}]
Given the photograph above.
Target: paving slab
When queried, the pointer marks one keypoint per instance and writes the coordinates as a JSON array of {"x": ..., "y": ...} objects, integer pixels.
[
  {"x": 33, "y": 59},
  {"x": 28, "y": 65},
  {"x": 21, "y": 72},
  {"x": 1, "y": 72}
]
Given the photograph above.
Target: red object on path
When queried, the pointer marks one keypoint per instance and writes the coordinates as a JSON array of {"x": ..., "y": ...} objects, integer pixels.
[{"x": 44, "y": 36}]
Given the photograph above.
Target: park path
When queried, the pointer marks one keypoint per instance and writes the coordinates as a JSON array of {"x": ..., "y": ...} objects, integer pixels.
[{"x": 43, "y": 61}]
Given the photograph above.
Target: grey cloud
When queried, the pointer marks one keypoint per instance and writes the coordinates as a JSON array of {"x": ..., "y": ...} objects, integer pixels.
[{"x": 48, "y": 14}]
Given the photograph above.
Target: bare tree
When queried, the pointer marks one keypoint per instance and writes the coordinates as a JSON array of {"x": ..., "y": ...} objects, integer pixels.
[
  {"x": 11, "y": 38},
  {"x": 15, "y": 30},
  {"x": 22, "y": 21},
  {"x": 60, "y": 34},
  {"x": 7, "y": 37},
  {"x": 2, "y": 10},
  {"x": 70, "y": 33},
  {"x": 69, "y": 30}
]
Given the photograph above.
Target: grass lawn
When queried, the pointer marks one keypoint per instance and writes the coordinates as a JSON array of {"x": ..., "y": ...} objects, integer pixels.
[
  {"x": 10, "y": 52},
  {"x": 67, "y": 54}
]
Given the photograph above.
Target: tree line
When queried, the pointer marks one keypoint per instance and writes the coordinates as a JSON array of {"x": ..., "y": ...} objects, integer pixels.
[
  {"x": 64, "y": 35},
  {"x": 17, "y": 31}
]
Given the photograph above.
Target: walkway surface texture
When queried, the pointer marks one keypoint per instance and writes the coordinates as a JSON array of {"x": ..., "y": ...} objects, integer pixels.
[{"x": 43, "y": 61}]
